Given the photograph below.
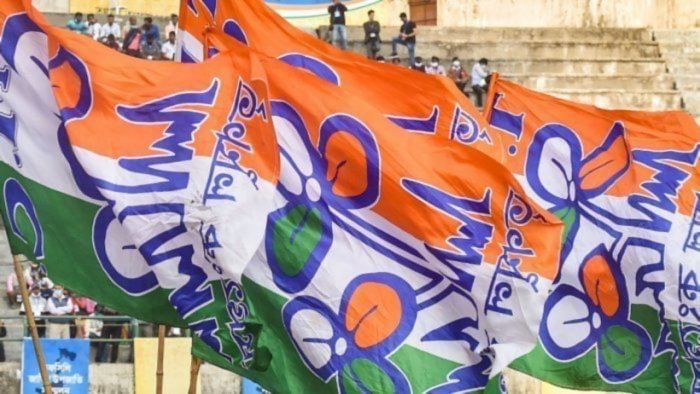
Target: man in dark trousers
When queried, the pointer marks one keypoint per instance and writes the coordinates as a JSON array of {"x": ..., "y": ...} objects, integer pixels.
[
  {"x": 340, "y": 33},
  {"x": 372, "y": 39},
  {"x": 407, "y": 37}
]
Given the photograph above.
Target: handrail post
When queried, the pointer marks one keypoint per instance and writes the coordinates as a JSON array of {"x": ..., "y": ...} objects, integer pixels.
[{"x": 161, "y": 353}]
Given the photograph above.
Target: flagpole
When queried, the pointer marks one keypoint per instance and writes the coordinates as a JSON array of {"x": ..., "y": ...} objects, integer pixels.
[
  {"x": 161, "y": 353},
  {"x": 32, "y": 324},
  {"x": 194, "y": 373}
]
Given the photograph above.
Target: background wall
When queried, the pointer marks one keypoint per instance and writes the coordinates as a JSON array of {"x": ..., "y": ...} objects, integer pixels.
[
  {"x": 660, "y": 14},
  {"x": 570, "y": 13}
]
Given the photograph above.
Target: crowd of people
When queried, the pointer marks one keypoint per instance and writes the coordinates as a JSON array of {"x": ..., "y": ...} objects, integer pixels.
[
  {"x": 475, "y": 82},
  {"x": 139, "y": 40},
  {"x": 60, "y": 313}
]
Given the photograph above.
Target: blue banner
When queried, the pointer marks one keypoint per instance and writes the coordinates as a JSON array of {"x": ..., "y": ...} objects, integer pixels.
[
  {"x": 67, "y": 361},
  {"x": 250, "y": 387}
]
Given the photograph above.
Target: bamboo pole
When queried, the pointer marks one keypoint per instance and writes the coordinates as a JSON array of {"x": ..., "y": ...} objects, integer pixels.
[
  {"x": 194, "y": 374},
  {"x": 32, "y": 324},
  {"x": 161, "y": 353}
]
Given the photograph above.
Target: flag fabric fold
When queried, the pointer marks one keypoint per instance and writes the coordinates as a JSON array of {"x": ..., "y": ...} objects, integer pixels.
[
  {"x": 623, "y": 313},
  {"x": 417, "y": 102},
  {"x": 308, "y": 240}
]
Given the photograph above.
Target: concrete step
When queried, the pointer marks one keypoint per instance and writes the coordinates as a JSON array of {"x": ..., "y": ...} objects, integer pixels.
[
  {"x": 587, "y": 67},
  {"x": 621, "y": 99},
  {"x": 691, "y": 99},
  {"x": 490, "y": 34},
  {"x": 650, "y": 67},
  {"x": 677, "y": 36},
  {"x": 593, "y": 81},
  {"x": 688, "y": 82},
  {"x": 684, "y": 68},
  {"x": 527, "y": 50}
]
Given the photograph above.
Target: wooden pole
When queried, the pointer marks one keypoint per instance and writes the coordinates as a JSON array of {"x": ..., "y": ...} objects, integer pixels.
[
  {"x": 194, "y": 373},
  {"x": 161, "y": 353},
  {"x": 32, "y": 324}
]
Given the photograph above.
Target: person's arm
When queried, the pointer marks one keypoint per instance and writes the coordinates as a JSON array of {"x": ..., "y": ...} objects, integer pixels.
[
  {"x": 51, "y": 307},
  {"x": 415, "y": 29},
  {"x": 343, "y": 7},
  {"x": 330, "y": 9},
  {"x": 41, "y": 307},
  {"x": 69, "y": 308}
]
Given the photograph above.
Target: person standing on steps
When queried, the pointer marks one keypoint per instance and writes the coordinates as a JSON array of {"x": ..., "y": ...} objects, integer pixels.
[
  {"x": 372, "y": 39},
  {"x": 480, "y": 83},
  {"x": 337, "y": 11}
]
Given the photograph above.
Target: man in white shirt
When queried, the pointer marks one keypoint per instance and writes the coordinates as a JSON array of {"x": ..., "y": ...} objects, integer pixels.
[
  {"x": 480, "y": 73},
  {"x": 94, "y": 29},
  {"x": 172, "y": 25},
  {"x": 111, "y": 27},
  {"x": 38, "y": 304},
  {"x": 168, "y": 48},
  {"x": 59, "y": 305}
]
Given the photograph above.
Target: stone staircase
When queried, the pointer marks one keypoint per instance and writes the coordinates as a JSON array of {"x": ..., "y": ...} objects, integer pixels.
[
  {"x": 610, "y": 68},
  {"x": 14, "y": 326},
  {"x": 681, "y": 51}
]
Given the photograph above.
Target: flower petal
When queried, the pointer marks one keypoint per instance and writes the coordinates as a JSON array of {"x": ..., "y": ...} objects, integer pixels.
[
  {"x": 600, "y": 284},
  {"x": 312, "y": 332},
  {"x": 606, "y": 164},
  {"x": 624, "y": 351},
  {"x": 373, "y": 314},
  {"x": 569, "y": 324},
  {"x": 553, "y": 160}
]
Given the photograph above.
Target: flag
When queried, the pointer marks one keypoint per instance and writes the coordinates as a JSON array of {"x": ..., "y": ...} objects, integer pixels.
[
  {"x": 47, "y": 215},
  {"x": 308, "y": 241},
  {"x": 623, "y": 314},
  {"x": 417, "y": 102}
]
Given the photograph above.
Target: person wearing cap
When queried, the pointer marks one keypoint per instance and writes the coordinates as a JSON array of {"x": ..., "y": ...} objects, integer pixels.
[{"x": 38, "y": 304}]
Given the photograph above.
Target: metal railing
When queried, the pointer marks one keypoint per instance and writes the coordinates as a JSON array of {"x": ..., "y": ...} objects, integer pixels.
[{"x": 134, "y": 326}]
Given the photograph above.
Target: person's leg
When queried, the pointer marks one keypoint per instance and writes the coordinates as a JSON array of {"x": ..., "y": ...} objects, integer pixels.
[
  {"x": 12, "y": 298},
  {"x": 115, "y": 334},
  {"x": 343, "y": 37},
  {"x": 411, "y": 52},
  {"x": 394, "y": 42},
  {"x": 50, "y": 330},
  {"x": 101, "y": 346},
  {"x": 41, "y": 327},
  {"x": 65, "y": 331},
  {"x": 478, "y": 93},
  {"x": 335, "y": 35}
]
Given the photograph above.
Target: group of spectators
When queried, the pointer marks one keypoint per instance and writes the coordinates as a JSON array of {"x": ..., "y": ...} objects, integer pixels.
[
  {"x": 59, "y": 313},
  {"x": 138, "y": 40},
  {"x": 477, "y": 79}
]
